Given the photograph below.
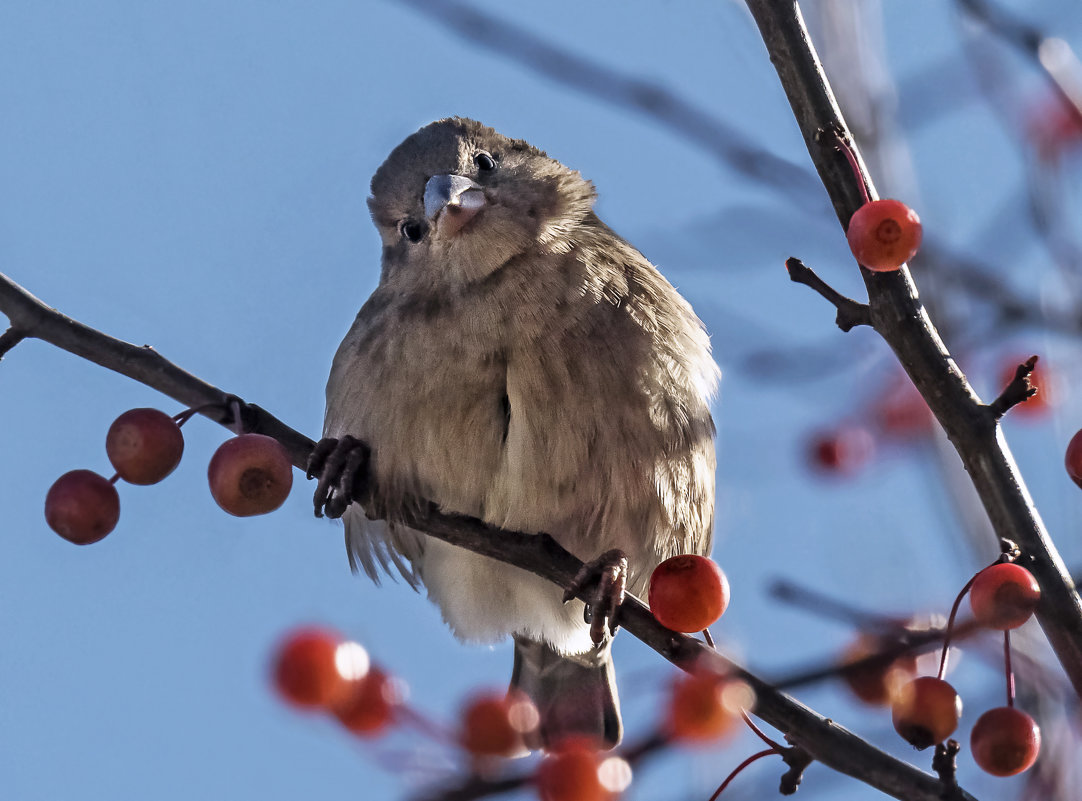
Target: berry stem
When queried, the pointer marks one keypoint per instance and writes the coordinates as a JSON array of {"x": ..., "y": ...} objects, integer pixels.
[
  {"x": 708, "y": 638},
  {"x": 851, "y": 156},
  {"x": 950, "y": 626},
  {"x": 1007, "y": 666},
  {"x": 759, "y": 732},
  {"x": 765, "y": 752},
  {"x": 114, "y": 479}
]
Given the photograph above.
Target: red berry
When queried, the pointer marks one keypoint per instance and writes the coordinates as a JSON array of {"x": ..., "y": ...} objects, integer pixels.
[
  {"x": 250, "y": 475},
  {"x": 884, "y": 234},
  {"x": 82, "y": 506},
  {"x": 1005, "y": 741},
  {"x": 926, "y": 711},
  {"x": 843, "y": 451},
  {"x": 144, "y": 445},
  {"x": 1073, "y": 458},
  {"x": 576, "y": 771},
  {"x": 688, "y": 592},
  {"x": 367, "y": 704},
  {"x": 493, "y": 724},
  {"x": 878, "y": 684},
  {"x": 705, "y": 705},
  {"x": 1004, "y": 596},
  {"x": 305, "y": 669}
]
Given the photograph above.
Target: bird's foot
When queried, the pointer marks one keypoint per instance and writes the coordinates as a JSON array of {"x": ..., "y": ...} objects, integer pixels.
[
  {"x": 606, "y": 578},
  {"x": 342, "y": 467}
]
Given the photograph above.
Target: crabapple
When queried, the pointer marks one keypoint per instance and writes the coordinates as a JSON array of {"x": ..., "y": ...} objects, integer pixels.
[
  {"x": 250, "y": 474},
  {"x": 1005, "y": 741},
  {"x": 688, "y": 592},
  {"x": 305, "y": 670},
  {"x": 884, "y": 234},
  {"x": 144, "y": 445},
  {"x": 705, "y": 705},
  {"x": 926, "y": 711},
  {"x": 576, "y": 771},
  {"x": 877, "y": 684},
  {"x": 367, "y": 704},
  {"x": 1004, "y": 596},
  {"x": 493, "y": 724},
  {"x": 1073, "y": 458},
  {"x": 82, "y": 506}
]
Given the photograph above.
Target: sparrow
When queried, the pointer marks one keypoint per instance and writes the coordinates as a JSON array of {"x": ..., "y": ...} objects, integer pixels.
[{"x": 519, "y": 363}]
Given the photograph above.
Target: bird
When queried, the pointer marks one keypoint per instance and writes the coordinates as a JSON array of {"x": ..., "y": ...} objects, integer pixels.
[{"x": 520, "y": 363}]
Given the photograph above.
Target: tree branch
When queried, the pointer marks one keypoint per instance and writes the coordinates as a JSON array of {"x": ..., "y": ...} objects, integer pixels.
[
  {"x": 902, "y": 321},
  {"x": 822, "y": 738}
]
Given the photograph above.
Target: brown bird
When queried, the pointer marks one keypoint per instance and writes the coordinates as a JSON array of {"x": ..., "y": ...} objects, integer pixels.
[{"x": 520, "y": 363}]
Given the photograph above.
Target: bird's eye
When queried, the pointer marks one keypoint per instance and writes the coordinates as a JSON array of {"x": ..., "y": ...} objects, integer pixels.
[
  {"x": 484, "y": 162},
  {"x": 411, "y": 230}
]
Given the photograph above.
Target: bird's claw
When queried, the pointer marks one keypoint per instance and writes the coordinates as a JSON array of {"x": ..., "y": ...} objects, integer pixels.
[
  {"x": 342, "y": 467},
  {"x": 608, "y": 575}
]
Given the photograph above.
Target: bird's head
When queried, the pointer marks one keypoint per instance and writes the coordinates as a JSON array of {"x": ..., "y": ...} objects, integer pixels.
[{"x": 457, "y": 201}]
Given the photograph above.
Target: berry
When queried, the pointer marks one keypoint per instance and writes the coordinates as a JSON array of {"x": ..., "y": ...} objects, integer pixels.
[
  {"x": 926, "y": 711},
  {"x": 884, "y": 234},
  {"x": 688, "y": 592},
  {"x": 493, "y": 724},
  {"x": 250, "y": 475},
  {"x": 1004, "y": 596},
  {"x": 82, "y": 506},
  {"x": 144, "y": 445},
  {"x": 1073, "y": 458},
  {"x": 843, "y": 451},
  {"x": 705, "y": 705},
  {"x": 305, "y": 669},
  {"x": 877, "y": 684},
  {"x": 576, "y": 771},
  {"x": 367, "y": 704},
  {"x": 1005, "y": 741}
]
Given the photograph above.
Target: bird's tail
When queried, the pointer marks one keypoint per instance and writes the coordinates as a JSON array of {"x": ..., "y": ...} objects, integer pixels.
[{"x": 575, "y": 694}]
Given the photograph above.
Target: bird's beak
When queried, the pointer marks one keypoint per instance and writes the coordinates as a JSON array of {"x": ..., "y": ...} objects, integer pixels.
[{"x": 451, "y": 201}]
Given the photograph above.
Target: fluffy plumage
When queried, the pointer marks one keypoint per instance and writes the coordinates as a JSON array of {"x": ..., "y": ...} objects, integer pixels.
[{"x": 521, "y": 363}]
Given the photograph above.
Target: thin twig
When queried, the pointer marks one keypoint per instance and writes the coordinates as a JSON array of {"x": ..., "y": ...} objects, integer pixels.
[{"x": 851, "y": 313}]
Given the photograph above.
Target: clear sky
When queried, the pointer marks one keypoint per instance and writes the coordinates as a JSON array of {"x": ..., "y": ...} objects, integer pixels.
[{"x": 193, "y": 176}]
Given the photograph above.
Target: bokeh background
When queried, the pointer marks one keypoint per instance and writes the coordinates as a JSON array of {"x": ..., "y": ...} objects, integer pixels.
[{"x": 193, "y": 176}]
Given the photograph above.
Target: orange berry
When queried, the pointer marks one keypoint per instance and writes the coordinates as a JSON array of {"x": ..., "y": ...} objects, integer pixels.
[
  {"x": 1005, "y": 741},
  {"x": 577, "y": 771},
  {"x": 705, "y": 705},
  {"x": 1004, "y": 596},
  {"x": 493, "y": 724},
  {"x": 884, "y": 234},
  {"x": 926, "y": 711},
  {"x": 305, "y": 671},
  {"x": 368, "y": 704},
  {"x": 688, "y": 592},
  {"x": 877, "y": 685}
]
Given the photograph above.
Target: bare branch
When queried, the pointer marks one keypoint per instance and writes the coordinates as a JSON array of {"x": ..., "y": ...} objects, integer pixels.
[
  {"x": 851, "y": 313},
  {"x": 820, "y": 737},
  {"x": 32, "y": 318},
  {"x": 1019, "y": 390},
  {"x": 902, "y": 321}
]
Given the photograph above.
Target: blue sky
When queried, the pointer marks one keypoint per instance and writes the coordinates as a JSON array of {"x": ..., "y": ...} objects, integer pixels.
[{"x": 193, "y": 176}]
